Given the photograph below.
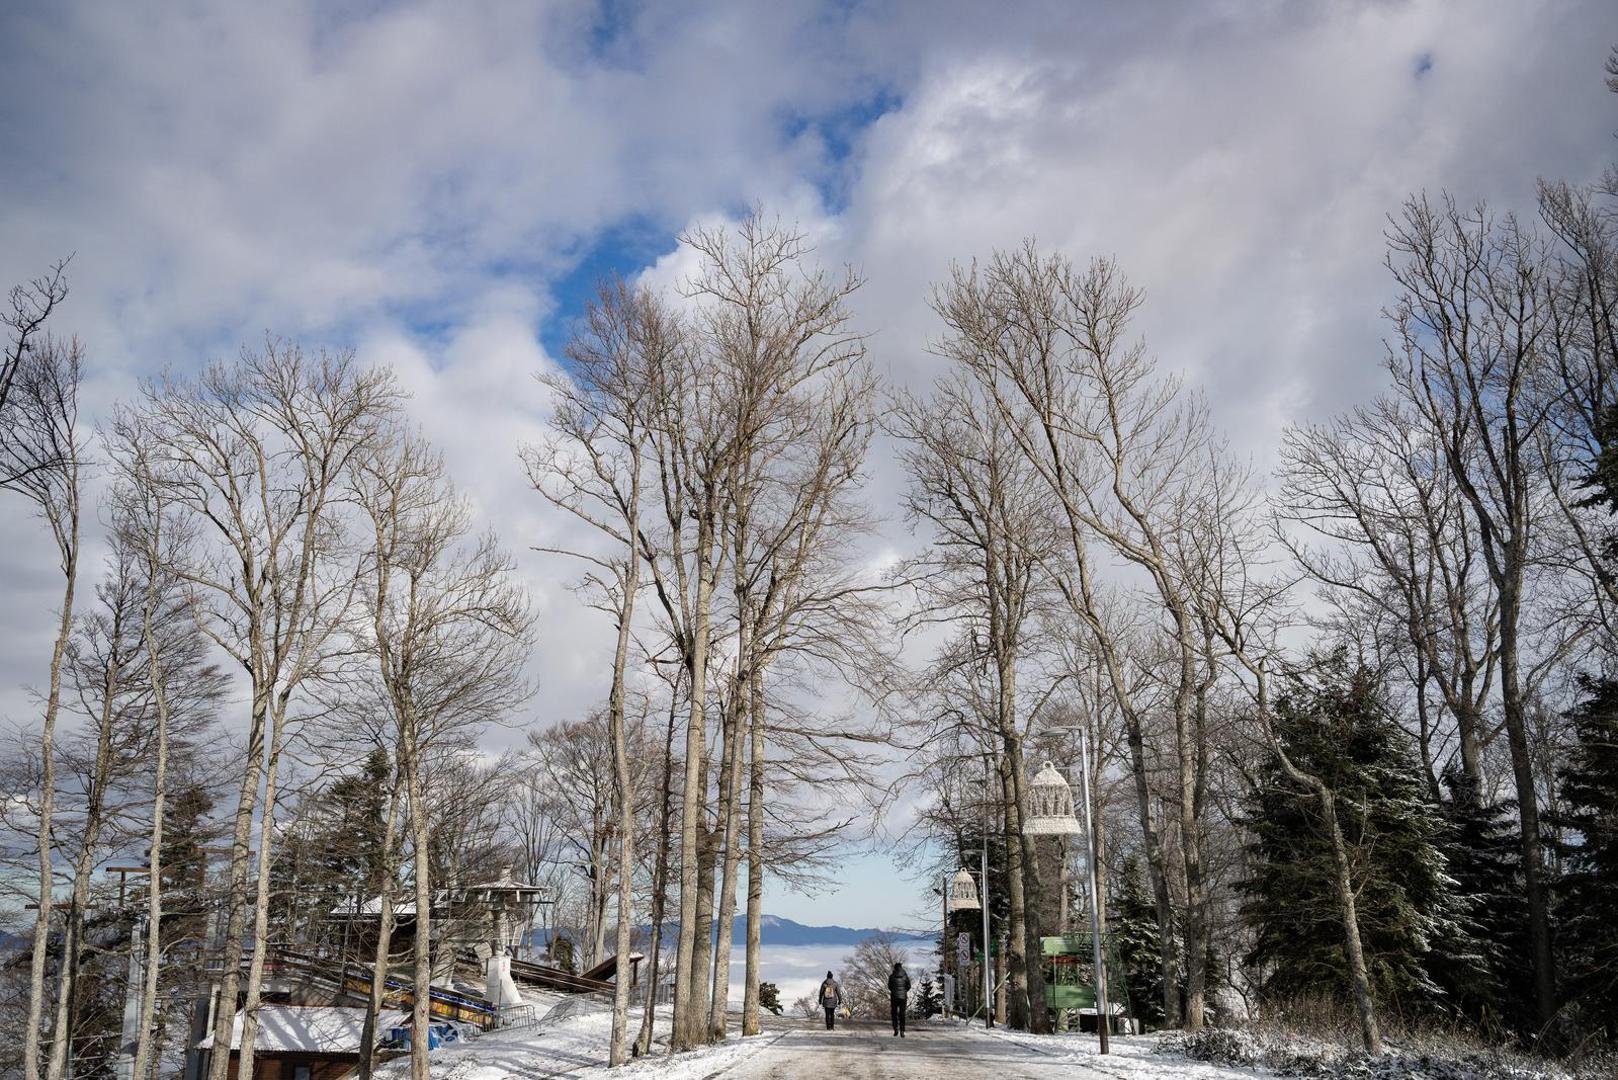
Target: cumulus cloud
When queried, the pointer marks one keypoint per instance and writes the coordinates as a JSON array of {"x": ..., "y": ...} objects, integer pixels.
[{"x": 421, "y": 181}]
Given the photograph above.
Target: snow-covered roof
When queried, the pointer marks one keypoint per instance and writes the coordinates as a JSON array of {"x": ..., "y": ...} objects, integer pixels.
[
  {"x": 309, "y": 1029},
  {"x": 373, "y": 906}
]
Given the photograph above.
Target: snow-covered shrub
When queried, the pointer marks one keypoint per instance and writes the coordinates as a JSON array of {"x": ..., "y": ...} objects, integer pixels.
[{"x": 1287, "y": 1055}]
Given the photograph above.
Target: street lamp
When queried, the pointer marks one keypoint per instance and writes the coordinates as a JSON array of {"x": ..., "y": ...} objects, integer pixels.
[
  {"x": 959, "y": 893},
  {"x": 1050, "y": 805},
  {"x": 983, "y": 877}
]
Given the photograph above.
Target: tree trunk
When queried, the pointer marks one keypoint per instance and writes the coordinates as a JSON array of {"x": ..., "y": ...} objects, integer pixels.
[
  {"x": 67, "y": 974},
  {"x": 660, "y": 877},
  {"x": 47, "y": 805},
  {"x": 730, "y": 828},
  {"x": 1196, "y": 946},
  {"x": 1522, "y": 769},
  {"x": 702, "y": 957},
  {"x": 600, "y": 892},
  {"x": 236, "y": 897},
  {"x": 1016, "y": 1013},
  {"x": 1027, "y": 951},
  {"x": 261, "y": 897},
  {"x": 618, "y": 1051},
  {"x": 422, "y": 975},
  {"x": 755, "y": 855},
  {"x": 154, "y": 866},
  {"x": 381, "y": 961},
  {"x": 688, "y": 1016},
  {"x": 1161, "y": 901},
  {"x": 1364, "y": 1005}
]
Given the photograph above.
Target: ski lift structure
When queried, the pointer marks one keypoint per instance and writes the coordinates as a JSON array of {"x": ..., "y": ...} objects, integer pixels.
[{"x": 503, "y": 896}]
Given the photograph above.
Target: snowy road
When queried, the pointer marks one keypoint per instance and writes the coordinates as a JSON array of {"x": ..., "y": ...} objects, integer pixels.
[
  {"x": 571, "y": 1044},
  {"x": 872, "y": 1053}
]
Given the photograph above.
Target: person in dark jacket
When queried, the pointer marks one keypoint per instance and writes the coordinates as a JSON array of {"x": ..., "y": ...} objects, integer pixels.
[
  {"x": 898, "y": 997},
  {"x": 831, "y": 997}
]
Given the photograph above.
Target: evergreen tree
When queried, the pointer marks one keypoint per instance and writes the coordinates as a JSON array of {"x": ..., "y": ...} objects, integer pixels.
[
  {"x": 1588, "y": 891},
  {"x": 1137, "y": 942},
  {"x": 929, "y": 1000},
  {"x": 1420, "y": 945},
  {"x": 1485, "y": 862},
  {"x": 562, "y": 955}
]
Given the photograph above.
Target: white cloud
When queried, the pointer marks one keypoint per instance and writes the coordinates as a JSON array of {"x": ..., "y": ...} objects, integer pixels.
[{"x": 412, "y": 181}]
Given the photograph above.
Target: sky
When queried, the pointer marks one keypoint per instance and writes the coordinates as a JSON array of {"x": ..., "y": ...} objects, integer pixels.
[{"x": 438, "y": 186}]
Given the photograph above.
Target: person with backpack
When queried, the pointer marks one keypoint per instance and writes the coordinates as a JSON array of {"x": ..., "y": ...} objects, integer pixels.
[
  {"x": 831, "y": 998},
  {"x": 898, "y": 998}
]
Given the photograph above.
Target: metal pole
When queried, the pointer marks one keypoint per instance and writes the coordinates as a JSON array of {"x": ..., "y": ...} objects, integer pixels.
[
  {"x": 943, "y": 953},
  {"x": 1103, "y": 1014},
  {"x": 988, "y": 977}
]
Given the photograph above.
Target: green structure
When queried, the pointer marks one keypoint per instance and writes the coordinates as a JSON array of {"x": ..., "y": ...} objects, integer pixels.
[{"x": 1068, "y": 965}]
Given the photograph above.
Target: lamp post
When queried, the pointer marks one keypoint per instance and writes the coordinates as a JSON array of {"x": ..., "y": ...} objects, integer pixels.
[
  {"x": 983, "y": 878},
  {"x": 1103, "y": 1011},
  {"x": 959, "y": 895},
  {"x": 1051, "y": 814}
]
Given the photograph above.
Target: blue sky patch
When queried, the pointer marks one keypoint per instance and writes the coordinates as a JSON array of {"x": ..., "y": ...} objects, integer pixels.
[{"x": 624, "y": 250}]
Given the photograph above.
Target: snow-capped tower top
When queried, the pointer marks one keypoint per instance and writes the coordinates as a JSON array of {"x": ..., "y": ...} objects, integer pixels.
[{"x": 1050, "y": 805}]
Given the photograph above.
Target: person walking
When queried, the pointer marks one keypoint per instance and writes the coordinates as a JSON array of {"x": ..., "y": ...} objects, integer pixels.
[
  {"x": 898, "y": 998},
  {"x": 831, "y": 999}
]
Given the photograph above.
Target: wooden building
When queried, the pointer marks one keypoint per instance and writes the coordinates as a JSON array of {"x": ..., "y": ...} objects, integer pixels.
[{"x": 304, "y": 1042}]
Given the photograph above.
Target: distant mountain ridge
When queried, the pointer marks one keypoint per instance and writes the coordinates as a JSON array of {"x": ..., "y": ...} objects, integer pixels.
[{"x": 777, "y": 930}]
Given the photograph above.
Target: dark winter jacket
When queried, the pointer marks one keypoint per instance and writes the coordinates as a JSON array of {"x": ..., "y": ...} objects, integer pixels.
[
  {"x": 831, "y": 995},
  {"x": 898, "y": 983}
]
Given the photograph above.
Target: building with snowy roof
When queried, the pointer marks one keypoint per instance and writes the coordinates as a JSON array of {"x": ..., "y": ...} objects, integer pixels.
[{"x": 305, "y": 1042}]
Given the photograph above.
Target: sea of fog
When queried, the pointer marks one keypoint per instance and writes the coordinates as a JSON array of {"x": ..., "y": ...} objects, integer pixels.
[{"x": 797, "y": 969}]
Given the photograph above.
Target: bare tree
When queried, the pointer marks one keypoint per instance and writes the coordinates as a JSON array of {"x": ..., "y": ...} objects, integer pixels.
[
  {"x": 602, "y": 417},
  {"x": 985, "y": 504},
  {"x": 41, "y": 456},
  {"x": 807, "y": 402},
  {"x": 144, "y": 525},
  {"x": 1119, "y": 449},
  {"x": 574, "y": 763},
  {"x": 1375, "y": 486},
  {"x": 256, "y": 454},
  {"x": 1469, "y": 355},
  {"x": 448, "y": 629},
  {"x": 866, "y": 971},
  {"x": 1245, "y": 612},
  {"x": 31, "y": 306},
  {"x": 765, "y": 327}
]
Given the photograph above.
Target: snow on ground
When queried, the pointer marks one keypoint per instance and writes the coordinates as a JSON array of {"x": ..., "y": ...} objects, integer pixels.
[
  {"x": 1131, "y": 1057},
  {"x": 571, "y": 1040}
]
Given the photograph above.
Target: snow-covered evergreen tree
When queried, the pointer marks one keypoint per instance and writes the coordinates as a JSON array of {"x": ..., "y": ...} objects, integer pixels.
[
  {"x": 928, "y": 1001},
  {"x": 1137, "y": 943},
  {"x": 1588, "y": 923},
  {"x": 1419, "y": 944},
  {"x": 1485, "y": 861}
]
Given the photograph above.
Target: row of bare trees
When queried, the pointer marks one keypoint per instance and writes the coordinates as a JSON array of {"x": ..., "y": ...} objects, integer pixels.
[
  {"x": 277, "y": 513},
  {"x": 714, "y": 444},
  {"x": 1093, "y": 548},
  {"x": 1094, "y": 556}
]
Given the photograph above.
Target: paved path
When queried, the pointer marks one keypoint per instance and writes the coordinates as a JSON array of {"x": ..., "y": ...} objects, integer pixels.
[{"x": 872, "y": 1053}]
